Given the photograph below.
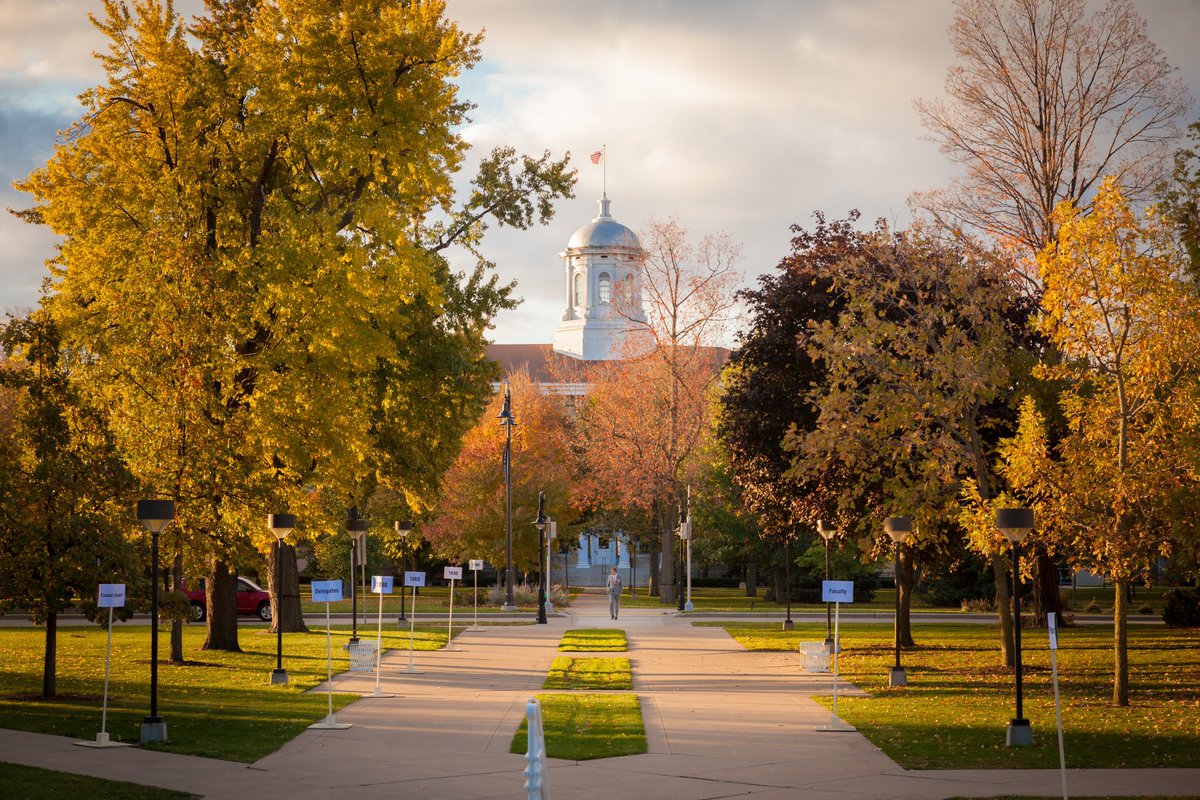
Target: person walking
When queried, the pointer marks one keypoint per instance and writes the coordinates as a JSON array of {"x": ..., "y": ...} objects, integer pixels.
[{"x": 614, "y": 593}]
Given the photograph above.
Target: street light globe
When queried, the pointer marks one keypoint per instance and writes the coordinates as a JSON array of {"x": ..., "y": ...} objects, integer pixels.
[
  {"x": 156, "y": 515},
  {"x": 281, "y": 525},
  {"x": 403, "y": 527},
  {"x": 826, "y": 533},
  {"x": 899, "y": 528},
  {"x": 1014, "y": 523}
]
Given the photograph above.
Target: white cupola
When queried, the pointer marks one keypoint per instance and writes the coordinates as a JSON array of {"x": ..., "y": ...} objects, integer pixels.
[{"x": 603, "y": 266}]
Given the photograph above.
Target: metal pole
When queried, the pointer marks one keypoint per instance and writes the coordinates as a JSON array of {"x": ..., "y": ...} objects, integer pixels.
[
  {"x": 108, "y": 663},
  {"x": 787, "y": 581},
  {"x": 897, "y": 622},
  {"x": 278, "y": 605},
  {"x": 154, "y": 628},
  {"x": 353, "y": 595},
  {"x": 1016, "y": 593},
  {"x": 404, "y": 568},
  {"x": 828, "y": 611},
  {"x": 541, "y": 598},
  {"x": 510, "y": 574}
]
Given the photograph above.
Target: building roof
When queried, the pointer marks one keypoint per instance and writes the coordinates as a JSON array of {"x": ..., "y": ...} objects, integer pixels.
[{"x": 604, "y": 231}]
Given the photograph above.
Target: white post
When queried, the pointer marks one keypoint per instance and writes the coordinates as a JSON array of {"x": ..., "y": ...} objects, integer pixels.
[
  {"x": 1052, "y": 629},
  {"x": 535, "y": 752},
  {"x": 450, "y": 620},
  {"x": 103, "y": 737},
  {"x": 837, "y": 612},
  {"x": 475, "y": 624},
  {"x": 412, "y": 623},
  {"x": 329, "y": 660},
  {"x": 379, "y": 639},
  {"x": 688, "y": 606}
]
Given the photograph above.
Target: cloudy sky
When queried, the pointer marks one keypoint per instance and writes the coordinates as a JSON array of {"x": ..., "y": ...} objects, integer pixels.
[{"x": 742, "y": 117}]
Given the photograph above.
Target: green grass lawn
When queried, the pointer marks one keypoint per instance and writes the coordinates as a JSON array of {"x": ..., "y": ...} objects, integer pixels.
[
  {"x": 217, "y": 704},
  {"x": 958, "y": 700},
  {"x": 32, "y": 783},
  {"x": 589, "y": 673},
  {"x": 579, "y": 727},
  {"x": 588, "y": 640}
]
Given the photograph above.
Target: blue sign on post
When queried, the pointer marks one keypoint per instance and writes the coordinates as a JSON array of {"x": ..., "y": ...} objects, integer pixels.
[
  {"x": 837, "y": 591},
  {"x": 414, "y": 578},
  {"x": 326, "y": 591},
  {"x": 381, "y": 584}
]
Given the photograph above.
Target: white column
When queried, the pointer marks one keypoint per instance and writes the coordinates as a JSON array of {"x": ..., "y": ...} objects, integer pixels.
[
  {"x": 582, "y": 549},
  {"x": 623, "y": 549}
]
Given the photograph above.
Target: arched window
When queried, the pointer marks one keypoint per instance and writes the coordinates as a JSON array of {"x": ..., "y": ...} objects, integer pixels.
[
  {"x": 605, "y": 288},
  {"x": 578, "y": 289},
  {"x": 627, "y": 288}
]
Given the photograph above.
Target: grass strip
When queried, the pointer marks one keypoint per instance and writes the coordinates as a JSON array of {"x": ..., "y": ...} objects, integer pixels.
[
  {"x": 959, "y": 698},
  {"x": 593, "y": 640},
  {"x": 580, "y": 727},
  {"x": 22, "y": 782},
  {"x": 216, "y": 704},
  {"x": 589, "y": 673}
]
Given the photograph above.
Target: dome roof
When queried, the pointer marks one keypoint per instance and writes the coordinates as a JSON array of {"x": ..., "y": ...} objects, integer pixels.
[{"x": 604, "y": 231}]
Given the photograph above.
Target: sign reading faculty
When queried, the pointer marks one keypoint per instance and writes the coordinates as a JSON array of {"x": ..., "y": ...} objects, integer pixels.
[{"x": 837, "y": 591}]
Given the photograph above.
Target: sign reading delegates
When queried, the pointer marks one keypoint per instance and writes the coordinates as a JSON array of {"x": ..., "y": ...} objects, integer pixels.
[
  {"x": 414, "y": 579},
  {"x": 476, "y": 564},
  {"x": 326, "y": 591},
  {"x": 452, "y": 573},
  {"x": 837, "y": 591},
  {"x": 381, "y": 584},
  {"x": 111, "y": 595}
]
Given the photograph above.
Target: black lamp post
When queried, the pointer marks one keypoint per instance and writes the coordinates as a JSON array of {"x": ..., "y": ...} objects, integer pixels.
[
  {"x": 507, "y": 420},
  {"x": 827, "y": 534},
  {"x": 403, "y": 527},
  {"x": 356, "y": 528},
  {"x": 280, "y": 525},
  {"x": 155, "y": 516},
  {"x": 900, "y": 529},
  {"x": 682, "y": 531},
  {"x": 541, "y": 523},
  {"x": 1015, "y": 524}
]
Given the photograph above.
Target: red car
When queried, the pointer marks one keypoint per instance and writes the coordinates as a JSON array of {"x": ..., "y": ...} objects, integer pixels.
[{"x": 251, "y": 599}]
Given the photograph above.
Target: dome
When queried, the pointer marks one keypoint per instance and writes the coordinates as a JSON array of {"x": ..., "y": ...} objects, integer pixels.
[{"x": 604, "y": 231}]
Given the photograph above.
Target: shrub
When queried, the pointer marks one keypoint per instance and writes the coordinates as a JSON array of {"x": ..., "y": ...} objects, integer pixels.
[
  {"x": 1092, "y": 607},
  {"x": 1182, "y": 609},
  {"x": 526, "y": 596},
  {"x": 978, "y": 605}
]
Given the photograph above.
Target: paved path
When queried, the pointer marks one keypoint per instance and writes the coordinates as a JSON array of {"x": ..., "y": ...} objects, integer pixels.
[{"x": 720, "y": 723}]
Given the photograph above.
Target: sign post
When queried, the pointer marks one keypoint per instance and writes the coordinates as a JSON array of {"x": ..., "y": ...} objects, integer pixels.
[
  {"x": 110, "y": 596},
  {"x": 381, "y": 585},
  {"x": 1052, "y": 629},
  {"x": 452, "y": 574},
  {"x": 476, "y": 565},
  {"x": 836, "y": 592},
  {"x": 415, "y": 580},
  {"x": 329, "y": 592}
]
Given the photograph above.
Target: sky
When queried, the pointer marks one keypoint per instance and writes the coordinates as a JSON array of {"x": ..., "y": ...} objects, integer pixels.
[{"x": 738, "y": 117}]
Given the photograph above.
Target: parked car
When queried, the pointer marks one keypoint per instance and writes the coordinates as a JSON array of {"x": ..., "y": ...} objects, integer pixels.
[{"x": 251, "y": 599}]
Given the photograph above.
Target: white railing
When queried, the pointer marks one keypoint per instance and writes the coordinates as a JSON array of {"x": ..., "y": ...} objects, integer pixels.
[
  {"x": 816, "y": 657},
  {"x": 535, "y": 772}
]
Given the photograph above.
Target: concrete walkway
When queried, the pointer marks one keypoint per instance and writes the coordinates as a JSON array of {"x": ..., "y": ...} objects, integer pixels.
[{"x": 720, "y": 722}]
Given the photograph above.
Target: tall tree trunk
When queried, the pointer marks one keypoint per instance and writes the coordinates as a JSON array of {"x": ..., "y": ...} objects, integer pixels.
[
  {"x": 50, "y": 658},
  {"x": 285, "y": 597},
  {"x": 652, "y": 582},
  {"x": 1120, "y": 642},
  {"x": 779, "y": 583},
  {"x": 1003, "y": 613},
  {"x": 221, "y": 599},
  {"x": 177, "y": 623},
  {"x": 752, "y": 579},
  {"x": 1046, "y": 597},
  {"x": 666, "y": 577},
  {"x": 904, "y": 585}
]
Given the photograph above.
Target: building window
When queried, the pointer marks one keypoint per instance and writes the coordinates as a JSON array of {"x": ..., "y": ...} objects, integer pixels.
[
  {"x": 627, "y": 288},
  {"x": 578, "y": 289},
  {"x": 605, "y": 288}
]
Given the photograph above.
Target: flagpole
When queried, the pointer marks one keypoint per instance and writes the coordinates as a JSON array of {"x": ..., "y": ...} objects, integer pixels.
[{"x": 604, "y": 167}]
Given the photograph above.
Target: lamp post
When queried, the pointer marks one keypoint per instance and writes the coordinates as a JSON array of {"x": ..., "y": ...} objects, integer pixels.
[
  {"x": 356, "y": 528},
  {"x": 682, "y": 531},
  {"x": 900, "y": 529},
  {"x": 551, "y": 538},
  {"x": 404, "y": 528},
  {"x": 827, "y": 534},
  {"x": 1015, "y": 524},
  {"x": 541, "y": 523},
  {"x": 280, "y": 525},
  {"x": 507, "y": 420},
  {"x": 155, "y": 516}
]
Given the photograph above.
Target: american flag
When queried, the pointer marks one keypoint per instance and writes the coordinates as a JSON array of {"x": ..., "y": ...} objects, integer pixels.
[{"x": 596, "y": 156}]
